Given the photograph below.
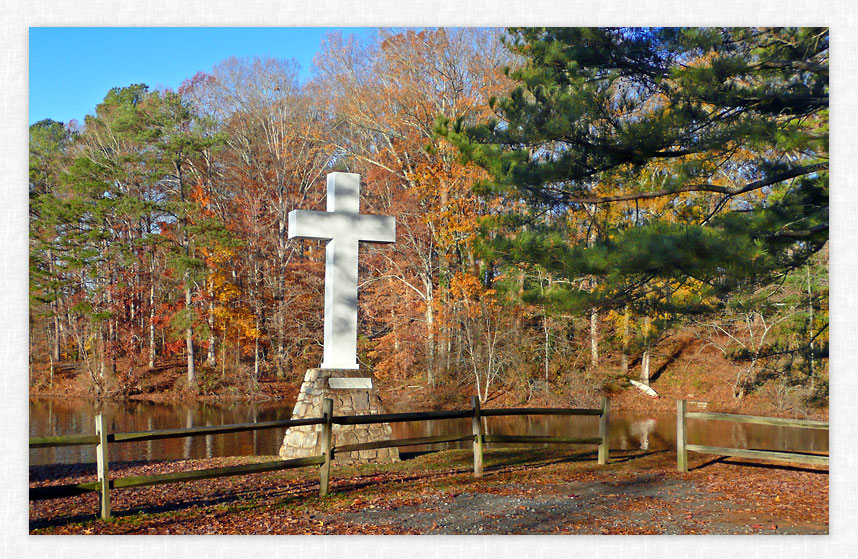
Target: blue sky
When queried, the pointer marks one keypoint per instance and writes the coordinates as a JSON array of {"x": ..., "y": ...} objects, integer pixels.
[{"x": 72, "y": 68}]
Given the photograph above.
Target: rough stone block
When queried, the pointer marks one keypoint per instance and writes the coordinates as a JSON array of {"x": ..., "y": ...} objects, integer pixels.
[
  {"x": 350, "y": 437},
  {"x": 295, "y": 439},
  {"x": 360, "y": 400}
]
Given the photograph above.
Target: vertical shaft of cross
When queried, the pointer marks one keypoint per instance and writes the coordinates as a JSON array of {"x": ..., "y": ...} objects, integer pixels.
[{"x": 341, "y": 277}]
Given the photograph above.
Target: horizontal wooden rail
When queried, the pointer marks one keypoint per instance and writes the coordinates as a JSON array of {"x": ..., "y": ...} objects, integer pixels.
[
  {"x": 457, "y": 414},
  {"x": 801, "y": 423},
  {"x": 537, "y": 439},
  {"x": 67, "y": 490},
  {"x": 402, "y": 442},
  {"x": 63, "y": 440},
  {"x": 209, "y": 430},
  {"x": 140, "y": 481},
  {"x": 683, "y": 448},
  {"x": 75, "y": 440},
  {"x": 400, "y": 417},
  {"x": 761, "y": 454},
  {"x": 72, "y": 489},
  {"x": 140, "y": 436},
  {"x": 540, "y": 411}
]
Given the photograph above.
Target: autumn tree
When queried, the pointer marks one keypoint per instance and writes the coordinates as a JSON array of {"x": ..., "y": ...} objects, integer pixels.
[
  {"x": 384, "y": 95},
  {"x": 278, "y": 147}
]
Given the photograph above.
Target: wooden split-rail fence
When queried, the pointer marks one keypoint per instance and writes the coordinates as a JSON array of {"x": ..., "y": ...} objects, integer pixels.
[
  {"x": 102, "y": 439},
  {"x": 683, "y": 447}
]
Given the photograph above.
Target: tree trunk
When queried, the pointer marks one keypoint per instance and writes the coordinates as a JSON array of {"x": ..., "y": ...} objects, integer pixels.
[
  {"x": 151, "y": 300},
  {"x": 547, "y": 347},
  {"x": 279, "y": 289},
  {"x": 430, "y": 345},
  {"x": 256, "y": 354},
  {"x": 111, "y": 331},
  {"x": 810, "y": 328},
  {"x": 55, "y": 311},
  {"x": 189, "y": 330},
  {"x": 55, "y": 341},
  {"x": 594, "y": 337},
  {"x": 189, "y": 337},
  {"x": 152, "y": 319},
  {"x": 395, "y": 331},
  {"x": 645, "y": 367},
  {"x": 594, "y": 315},
  {"x": 211, "y": 361},
  {"x": 624, "y": 359},
  {"x": 645, "y": 357},
  {"x": 102, "y": 357}
]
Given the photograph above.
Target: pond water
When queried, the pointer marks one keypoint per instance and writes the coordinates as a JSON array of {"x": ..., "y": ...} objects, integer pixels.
[{"x": 628, "y": 430}]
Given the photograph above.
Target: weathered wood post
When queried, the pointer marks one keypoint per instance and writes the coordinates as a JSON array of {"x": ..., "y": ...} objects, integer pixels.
[
  {"x": 477, "y": 425},
  {"x": 327, "y": 441},
  {"x": 681, "y": 437},
  {"x": 102, "y": 466},
  {"x": 603, "y": 431}
]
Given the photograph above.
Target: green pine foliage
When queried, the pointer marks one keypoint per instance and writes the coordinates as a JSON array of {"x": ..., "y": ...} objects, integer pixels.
[
  {"x": 717, "y": 136},
  {"x": 111, "y": 209}
]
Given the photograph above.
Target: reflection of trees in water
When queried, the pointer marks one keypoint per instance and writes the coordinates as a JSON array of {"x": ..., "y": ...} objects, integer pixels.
[
  {"x": 150, "y": 426},
  {"x": 739, "y": 438},
  {"x": 51, "y": 416},
  {"x": 188, "y": 441},
  {"x": 60, "y": 417},
  {"x": 209, "y": 442},
  {"x": 255, "y": 419}
]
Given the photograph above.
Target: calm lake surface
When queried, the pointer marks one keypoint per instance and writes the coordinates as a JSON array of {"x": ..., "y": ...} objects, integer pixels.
[{"x": 628, "y": 431}]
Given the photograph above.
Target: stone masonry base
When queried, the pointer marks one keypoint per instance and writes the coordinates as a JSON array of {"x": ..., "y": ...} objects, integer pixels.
[{"x": 306, "y": 439}]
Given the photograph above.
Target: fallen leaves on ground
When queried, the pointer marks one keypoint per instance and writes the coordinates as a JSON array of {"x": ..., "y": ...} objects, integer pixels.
[{"x": 522, "y": 491}]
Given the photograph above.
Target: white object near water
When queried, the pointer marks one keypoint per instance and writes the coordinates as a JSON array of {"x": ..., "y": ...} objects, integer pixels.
[
  {"x": 359, "y": 383},
  {"x": 342, "y": 226},
  {"x": 644, "y": 388}
]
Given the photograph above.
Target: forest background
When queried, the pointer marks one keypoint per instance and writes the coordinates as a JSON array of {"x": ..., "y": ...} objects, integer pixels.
[{"x": 572, "y": 206}]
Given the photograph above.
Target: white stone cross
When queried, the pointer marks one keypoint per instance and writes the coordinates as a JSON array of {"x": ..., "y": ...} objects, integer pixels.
[{"x": 342, "y": 226}]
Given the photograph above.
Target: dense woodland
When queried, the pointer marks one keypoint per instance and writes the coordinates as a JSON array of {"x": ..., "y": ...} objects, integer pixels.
[{"x": 566, "y": 200}]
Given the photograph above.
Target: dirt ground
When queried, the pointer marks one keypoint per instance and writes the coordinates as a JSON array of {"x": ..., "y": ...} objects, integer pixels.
[{"x": 523, "y": 491}]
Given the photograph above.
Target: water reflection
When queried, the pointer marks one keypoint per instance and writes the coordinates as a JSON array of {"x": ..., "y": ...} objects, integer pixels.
[
  {"x": 642, "y": 429},
  {"x": 49, "y": 416},
  {"x": 628, "y": 430}
]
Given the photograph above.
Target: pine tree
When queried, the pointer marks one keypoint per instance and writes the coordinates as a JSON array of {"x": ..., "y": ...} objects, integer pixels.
[
  {"x": 727, "y": 127},
  {"x": 49, "y": 284}
]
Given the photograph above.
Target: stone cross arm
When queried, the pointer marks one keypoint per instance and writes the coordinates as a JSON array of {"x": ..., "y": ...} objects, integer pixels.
[{"x": 324, "y": 226}]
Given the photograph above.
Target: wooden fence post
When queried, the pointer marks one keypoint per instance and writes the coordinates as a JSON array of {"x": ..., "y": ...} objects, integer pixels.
[
  {"x": 477, "y": 425},
  {"x": 603, "y": 431},
  {"x": 327, "y": 441},
  {"x": 681, "y": 437},
  {"x": 102, "y": 466}
]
